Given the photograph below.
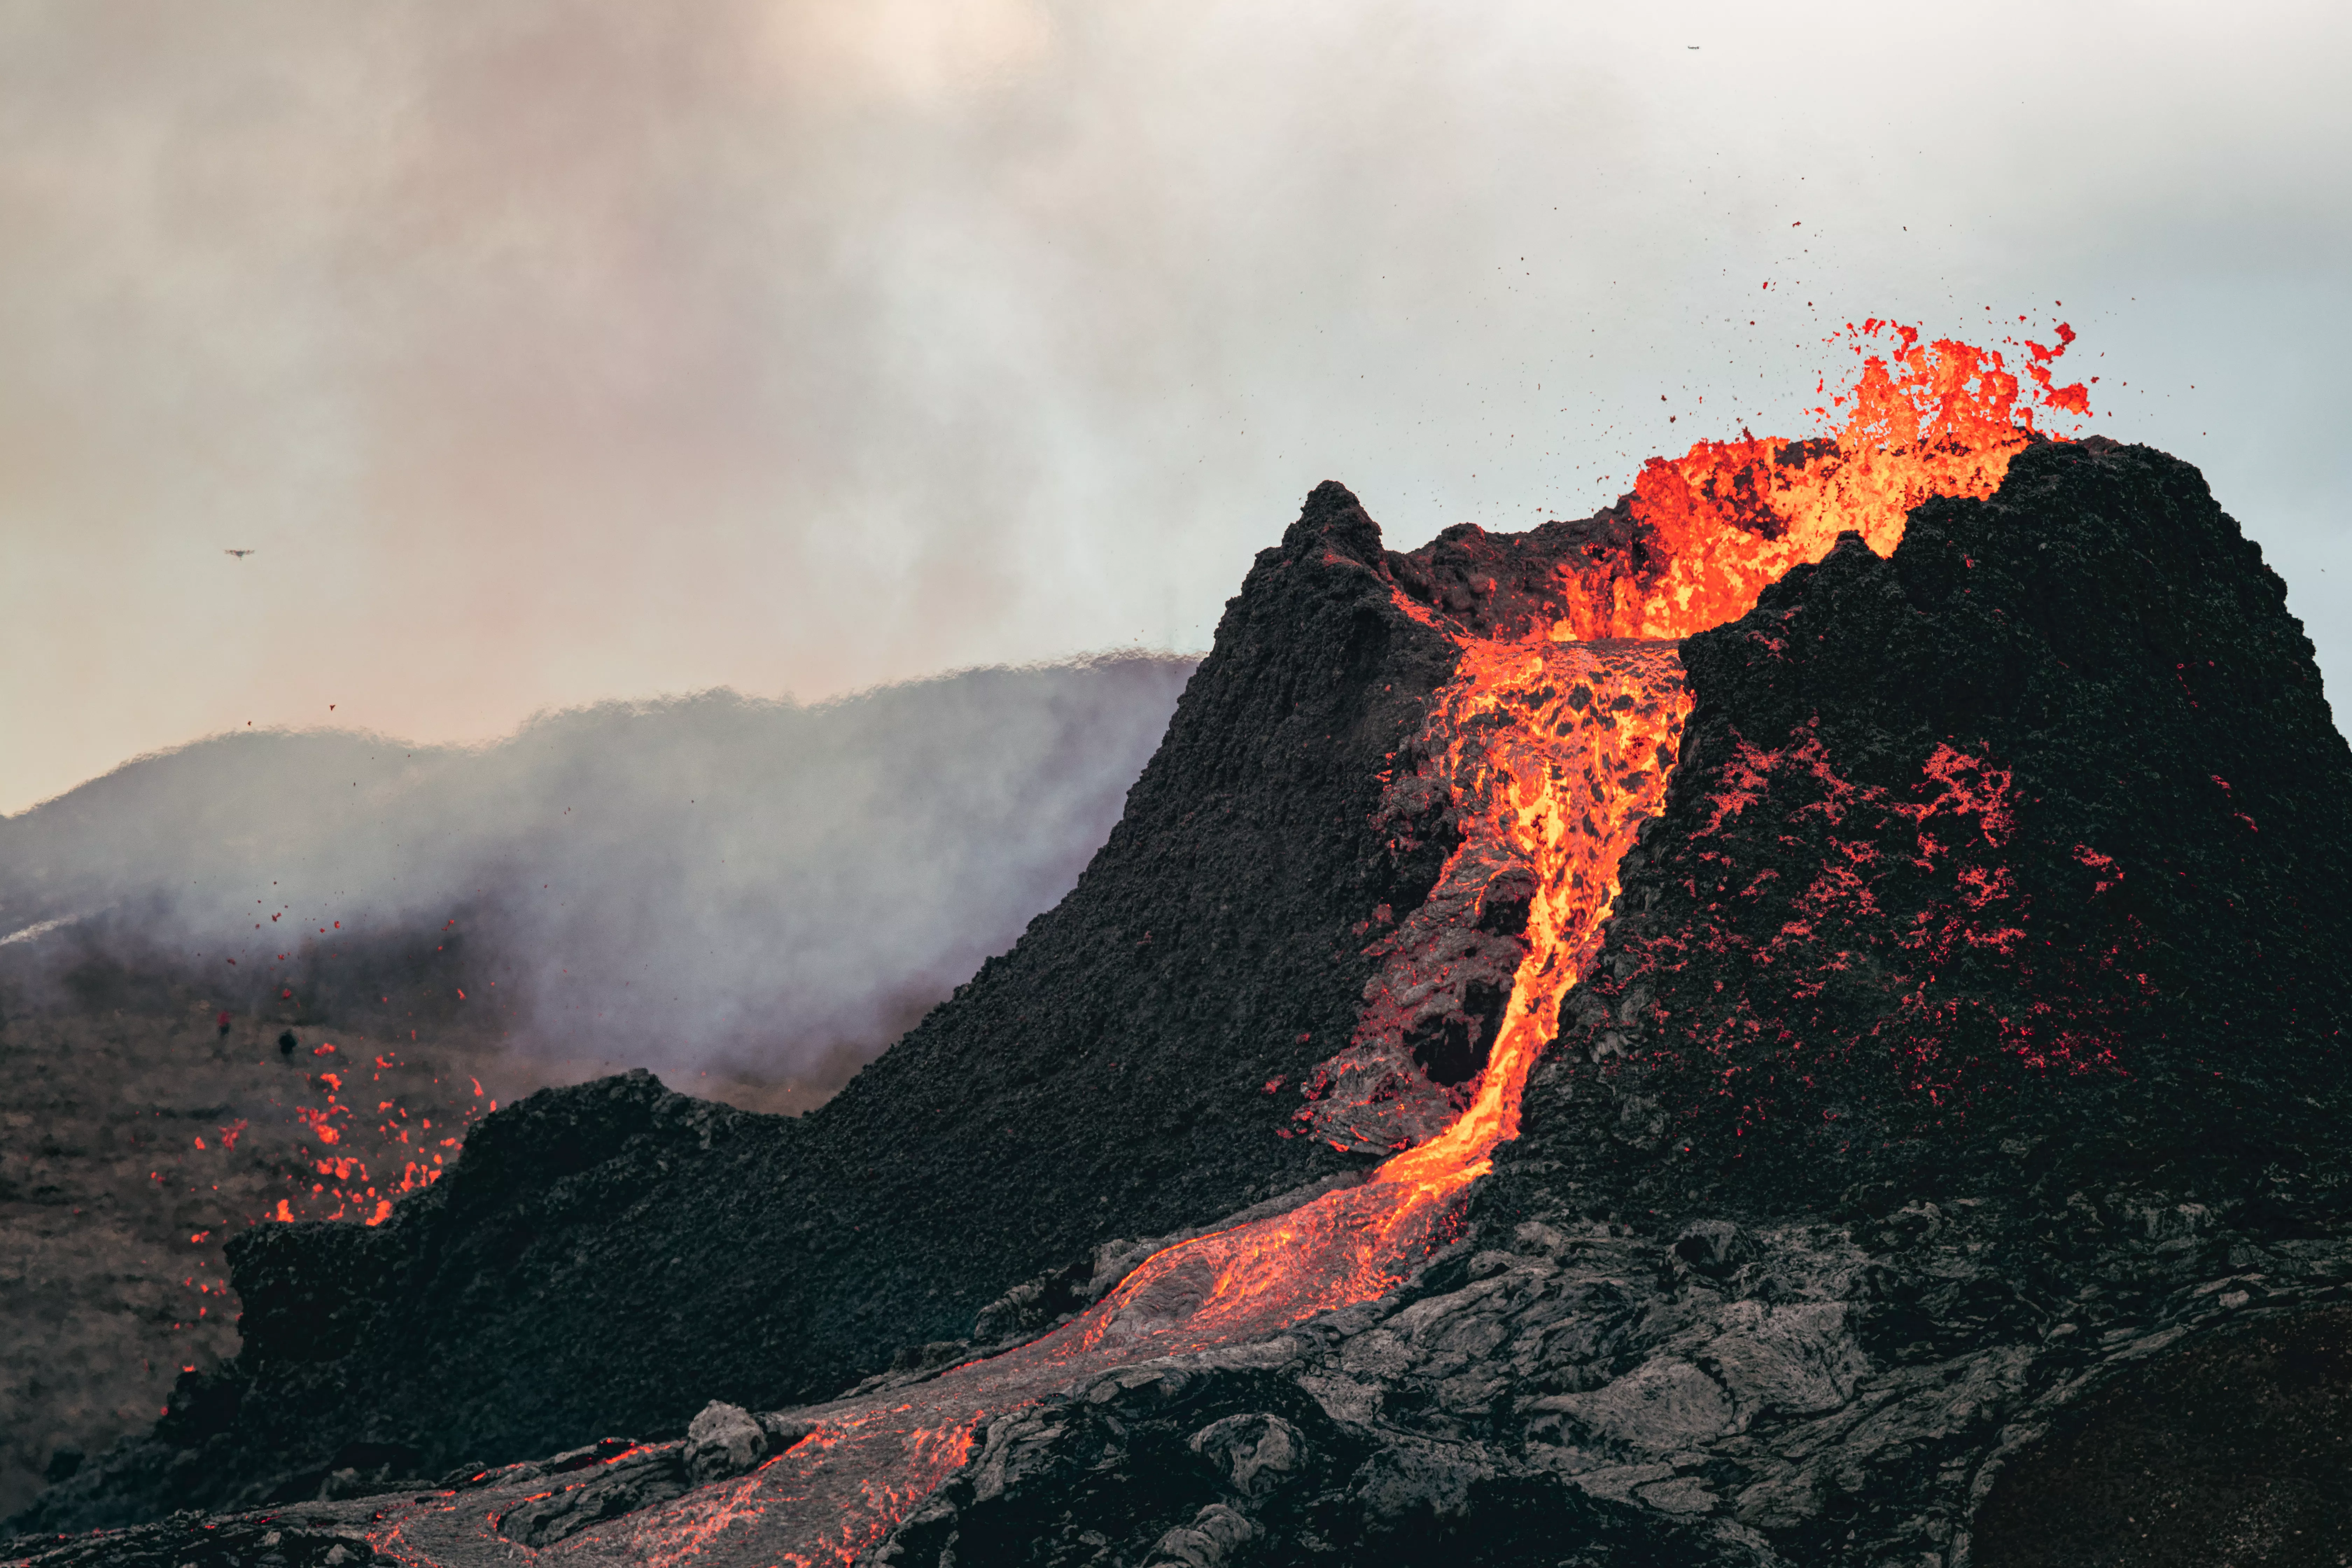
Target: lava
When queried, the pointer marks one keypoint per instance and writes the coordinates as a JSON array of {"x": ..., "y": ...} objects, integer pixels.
[
  {"x": 411, "y": 1152},
  {"x": 1553, "y": 753},
  {"x": 1554, "y": 740},
  {"x": 1926, "y": 418}
]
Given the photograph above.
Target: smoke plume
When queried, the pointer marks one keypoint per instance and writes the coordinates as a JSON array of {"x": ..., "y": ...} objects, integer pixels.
[
  {"x": 705, "y": 881},
  {"x": 547, "y": 353}
]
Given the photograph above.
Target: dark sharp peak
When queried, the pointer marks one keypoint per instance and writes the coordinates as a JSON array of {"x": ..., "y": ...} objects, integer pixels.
[{"x": 1334, "y": 517}]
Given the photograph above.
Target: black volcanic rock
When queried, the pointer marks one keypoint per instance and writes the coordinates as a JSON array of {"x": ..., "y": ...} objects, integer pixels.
[
  {"x": 2233, "y": 1451},
  {"x": 1214, "y": 1461},
  {"x": 1941, "y": 1162},
  {"x": 2018, "y": 854},
  {"x": 609, "y": 1257}
]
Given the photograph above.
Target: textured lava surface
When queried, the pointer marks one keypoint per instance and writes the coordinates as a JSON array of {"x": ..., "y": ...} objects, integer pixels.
[
  {"x": 2022, "y": 845},
  {"x": 2233, "y": 1451}
]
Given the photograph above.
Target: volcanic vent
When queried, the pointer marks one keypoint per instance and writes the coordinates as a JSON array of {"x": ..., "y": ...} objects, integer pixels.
[{"x": 1857, "y": 971}]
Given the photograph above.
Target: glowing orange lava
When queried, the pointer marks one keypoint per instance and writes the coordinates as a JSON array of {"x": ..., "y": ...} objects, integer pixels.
[
  {"x": 1940, "y": 418},
  {"x": 1557, "y": 744},
  {"x": 1559, "y": 750},
  {"x": 408, "y": 1150}
]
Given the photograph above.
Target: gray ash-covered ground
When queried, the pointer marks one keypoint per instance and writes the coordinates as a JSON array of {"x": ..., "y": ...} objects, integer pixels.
[{"x": 1941, "y": 1163}]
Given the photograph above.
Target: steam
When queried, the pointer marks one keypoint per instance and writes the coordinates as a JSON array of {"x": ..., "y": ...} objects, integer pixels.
[
  {"x": 553, "y": 352},
  {"x": 704, "y": 881}
]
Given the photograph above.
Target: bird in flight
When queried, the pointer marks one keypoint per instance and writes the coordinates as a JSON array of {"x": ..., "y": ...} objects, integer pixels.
[{"x": 240, "y": 554}]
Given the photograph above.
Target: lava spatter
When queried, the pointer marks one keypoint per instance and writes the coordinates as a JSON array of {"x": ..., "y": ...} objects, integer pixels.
[
  {"x": 1934, "y": 418},
  {"x": 410, "y": 1149}
]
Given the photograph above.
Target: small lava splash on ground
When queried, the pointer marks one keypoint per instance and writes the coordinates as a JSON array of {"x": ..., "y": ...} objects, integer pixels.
[{"x": 135, "y": 1142}]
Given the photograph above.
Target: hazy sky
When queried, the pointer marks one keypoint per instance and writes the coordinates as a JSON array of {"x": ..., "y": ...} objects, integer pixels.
[{"x": 550, "y": 352}]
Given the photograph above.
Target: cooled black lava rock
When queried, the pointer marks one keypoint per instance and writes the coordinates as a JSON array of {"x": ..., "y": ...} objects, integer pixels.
[
  {"x": 1993, "y": 929},
  {"x": 2016, "y": 855},
  {"x": 607, "y": 1258},
  {"x": 1206, "y": 1461},
  {"x": 2234, "y": 1450}
]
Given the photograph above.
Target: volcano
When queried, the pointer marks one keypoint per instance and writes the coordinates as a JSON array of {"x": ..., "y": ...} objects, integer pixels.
[{"x": 1795, "y": 1020}]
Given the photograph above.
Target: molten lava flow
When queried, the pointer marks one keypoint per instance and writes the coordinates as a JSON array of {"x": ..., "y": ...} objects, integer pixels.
[
  {"x": 1727, "y": 518},
  {"x": 1554, "y": 743},
  {"x": 1559, "y": 752},
  {"x": 1552, "y": 753},
  {"x": 1567, "y": 749}
]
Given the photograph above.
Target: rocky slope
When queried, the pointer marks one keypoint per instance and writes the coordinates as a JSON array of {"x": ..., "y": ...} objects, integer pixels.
[
  {"x": 1108, "y": 1077},
  {"x": 1936, "y": 1167}
]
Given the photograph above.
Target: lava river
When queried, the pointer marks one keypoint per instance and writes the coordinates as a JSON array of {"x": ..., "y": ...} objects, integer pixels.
[{"x": 1555, "y": 744}]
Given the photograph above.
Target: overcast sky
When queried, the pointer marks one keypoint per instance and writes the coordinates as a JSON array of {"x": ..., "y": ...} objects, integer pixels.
[{"x": 549, "y": 353}]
